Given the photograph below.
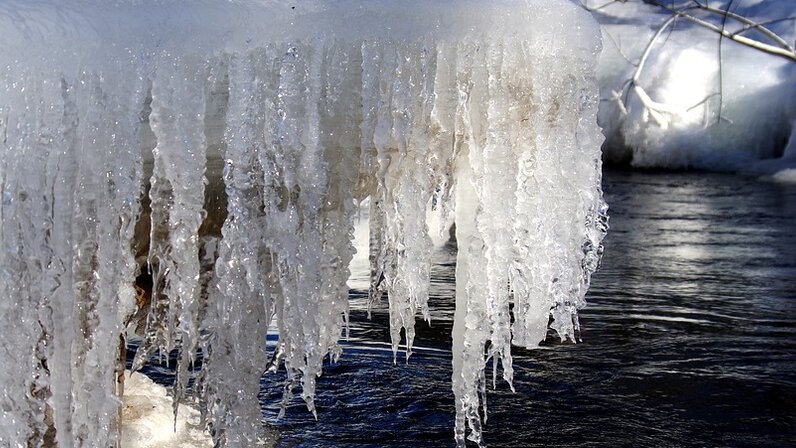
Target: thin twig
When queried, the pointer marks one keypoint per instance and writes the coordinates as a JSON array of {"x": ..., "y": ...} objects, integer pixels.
[
  {"x": 651, "y": 108},
  {"x": 769, "y": 22},
  {"x": 619, "y": 48},
  {"x": 720, "y": 56},
  {"x": 748, "y": 23},
  {"x": 609, "y": 3},
  {"x": 766, "y": 48}
]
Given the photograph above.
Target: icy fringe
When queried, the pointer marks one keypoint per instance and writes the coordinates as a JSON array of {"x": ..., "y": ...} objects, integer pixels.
[{"x": 503, "y": 129}]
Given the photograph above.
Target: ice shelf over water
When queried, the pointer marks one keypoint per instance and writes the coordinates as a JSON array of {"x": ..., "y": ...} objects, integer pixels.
[{"x": 124, "y": 125}]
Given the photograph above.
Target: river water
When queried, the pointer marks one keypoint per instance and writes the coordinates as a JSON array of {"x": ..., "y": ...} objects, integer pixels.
[{"x": 689, "y": 339}]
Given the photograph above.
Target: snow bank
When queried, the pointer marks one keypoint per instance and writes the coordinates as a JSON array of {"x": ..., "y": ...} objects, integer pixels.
[
  {"x": 758, "y": 91},
  {"x": 784, "y": 175}
]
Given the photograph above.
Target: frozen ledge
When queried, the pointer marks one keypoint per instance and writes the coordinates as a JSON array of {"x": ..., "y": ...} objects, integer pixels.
[{"x": 85, "y": 32}]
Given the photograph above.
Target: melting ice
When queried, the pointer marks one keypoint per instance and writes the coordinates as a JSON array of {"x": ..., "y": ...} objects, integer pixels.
[{"x": 122, "y": 123}]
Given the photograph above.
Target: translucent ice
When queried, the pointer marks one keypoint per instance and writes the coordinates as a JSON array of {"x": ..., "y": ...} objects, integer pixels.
[{"x": 121, "y": 122}]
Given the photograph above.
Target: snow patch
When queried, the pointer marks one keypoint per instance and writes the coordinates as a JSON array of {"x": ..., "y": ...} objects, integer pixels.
[{"x": 148, "y": 418}]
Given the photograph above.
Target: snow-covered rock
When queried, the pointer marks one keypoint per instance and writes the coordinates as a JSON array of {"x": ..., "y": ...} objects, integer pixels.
[{"x": 148, "y": 418}]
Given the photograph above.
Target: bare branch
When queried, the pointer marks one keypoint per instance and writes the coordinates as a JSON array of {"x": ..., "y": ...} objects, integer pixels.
[
  {"x": 724, "y": 18},
  {"x": 608, "y": 3},
  {"x": 651, "y": 108},
  {"x": 748, "y": 24},
  {"x": 786, "y": 53}
]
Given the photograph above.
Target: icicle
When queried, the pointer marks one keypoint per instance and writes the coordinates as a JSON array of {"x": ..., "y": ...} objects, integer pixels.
[
  {"x": 530, "y": 277},
  {"x": 469, "y": 330},
  {"x": 242, "y": 303},
  {"x": 370, "y": 65},
  {"x": 494, "y": 170},
  {"x": 30, "y": 141},
  {"x": 338, "y": 210},
  {"x": 378, "y": 118},
  {"x": 63, "y": 169},
  {"x": 471, "y": 319},
  {"x": 106, "y": 208},
  {"x": 120, "y": 187},
  {"x": 177, "y": 120},
  {"x": 295, "y": 228},
  {"x": 441, "y": 133},
  {"x": 401, "y": 246}
]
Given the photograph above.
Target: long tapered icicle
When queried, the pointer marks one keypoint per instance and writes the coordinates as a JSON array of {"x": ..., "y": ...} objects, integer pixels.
[
  {"x": 177, "y": 120},
  {"x": 32, "y": 131},
  {"x": 402, "y": 142},
  {"x": 242, "y": 302},
  {"x": 107, "y": 204}
]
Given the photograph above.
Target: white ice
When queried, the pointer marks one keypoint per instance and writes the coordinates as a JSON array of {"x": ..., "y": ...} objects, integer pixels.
[{"x": 482, "y": 113}]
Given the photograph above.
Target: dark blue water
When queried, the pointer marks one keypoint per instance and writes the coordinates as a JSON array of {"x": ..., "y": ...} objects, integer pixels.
[{"x": 689, "y": 339}]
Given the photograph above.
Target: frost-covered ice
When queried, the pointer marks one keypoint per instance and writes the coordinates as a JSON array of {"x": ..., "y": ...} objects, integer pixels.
[
  {"x": 718, "y": 120},
  {"x": 473, "y": 112}
]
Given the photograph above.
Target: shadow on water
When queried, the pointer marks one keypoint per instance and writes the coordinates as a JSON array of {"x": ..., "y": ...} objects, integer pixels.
[{"x": 689, "y": 339}]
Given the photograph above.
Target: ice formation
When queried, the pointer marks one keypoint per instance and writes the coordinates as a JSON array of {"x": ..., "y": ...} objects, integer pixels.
[
  {"x": 708, "y": 118},
  {"x": 116, "y": 116}
]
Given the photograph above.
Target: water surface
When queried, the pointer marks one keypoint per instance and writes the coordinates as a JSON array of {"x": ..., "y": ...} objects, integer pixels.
[{"x": 689, "y": 339}]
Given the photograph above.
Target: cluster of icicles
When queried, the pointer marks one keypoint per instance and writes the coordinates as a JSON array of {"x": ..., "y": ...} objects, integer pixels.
[{"x": 109, "y": 174}]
